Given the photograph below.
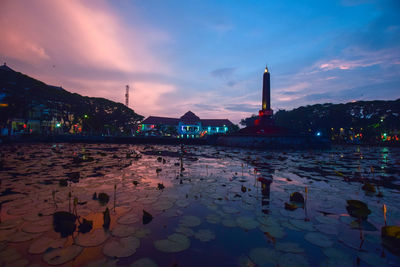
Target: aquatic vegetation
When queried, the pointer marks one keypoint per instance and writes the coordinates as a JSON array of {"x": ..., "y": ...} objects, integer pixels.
[
  {"x": 358, "y": 209},
  {"x": 226, "y": 198},
  {"x": 85, "y": 226},
  {"x": 147, "y": 217},
  {"x": 62, "y": 255},
  {"x": 103, "y": 198},
  {"x": 297, "y": 197},
  {"x": 106, "y": 219},
  {"x": 391, "y": 238},
  {"x": 63, "y": 182},
  {"x": 173, "y": 243},
  {"x": 93, "y": 238},
  {"x": 64, "y": 223}
]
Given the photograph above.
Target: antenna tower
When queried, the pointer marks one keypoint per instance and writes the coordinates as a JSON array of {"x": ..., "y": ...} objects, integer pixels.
[{"x": 127, "y": 96}]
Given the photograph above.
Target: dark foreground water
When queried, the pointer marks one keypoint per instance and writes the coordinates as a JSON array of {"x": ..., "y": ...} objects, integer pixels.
[{"x": 225, "y": 207}]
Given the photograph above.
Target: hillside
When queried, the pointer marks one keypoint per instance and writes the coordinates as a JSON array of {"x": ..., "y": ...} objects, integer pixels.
[
  {"x": 371, "y": 119},
  {"x": 27, "y": 99}
]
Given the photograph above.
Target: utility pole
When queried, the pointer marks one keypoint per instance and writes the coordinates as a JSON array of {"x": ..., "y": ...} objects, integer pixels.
[{"x": 127, "y": 96}]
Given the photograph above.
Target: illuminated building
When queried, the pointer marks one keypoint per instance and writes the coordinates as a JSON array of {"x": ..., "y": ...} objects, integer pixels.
[{"x": 187, "y": 126}]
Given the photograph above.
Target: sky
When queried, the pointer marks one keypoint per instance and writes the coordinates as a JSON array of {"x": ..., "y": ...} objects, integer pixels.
[{"x": 207, "y": 56}]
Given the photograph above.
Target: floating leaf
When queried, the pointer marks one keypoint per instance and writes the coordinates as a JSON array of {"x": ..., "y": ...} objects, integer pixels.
[
  {"x": 42, "y": 244},
  {"x": 163, "y": 205},
  {"x": 318, "y": 239},
  {"x": 230, "y": 210},
  {"x": 190, "y": 221},
  {"x": 184, "y": 230},
  {"x": 372, "y": 259},
  {"x": 213, "y": 218},
  {"x": 293, "y": 260},
  {"x": 204, "y": 235},
  {"x": 289, "y": 247},
  {"x": 142, "y": 232},
  {"x": 8, "y": 224},
  {"x": 62, "y": 255},
  {"x": 129, "y": 218},
  {"x": 123, "y": 230},
  {"x": 303, "y": 225},
  {"x": 92, "y": 239},
  {"x": 247, "y": 223},
  {"x": 326, "y": 229},
  {"x": 37, "y": 227},
  {"x": 358, "y": 209},
  {"x": 144, "y": 262},
  {"x": 123, "y": 247},
  {"x": 264, "y": 256},
  {"x": 228, "y": 222},
  {"x": 274, "y": 230},
  {"x": 173, "y": 243},
  {"x": 336, "y": 254},
  {"x": 22, "y": 237}
]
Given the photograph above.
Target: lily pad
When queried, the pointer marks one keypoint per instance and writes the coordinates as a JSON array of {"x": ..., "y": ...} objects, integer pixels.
[
  {"x": 372, "y": 259},
  {"x": 142, "y": 232},
  {"x": 37, "y": 227},
  {"x": 303, "y": 225},
  {"x": 163, "y": 205},
  {"x": 230, "y": 210},
  {"x": 190, "y": 221},
  {"x": 62, "y": 255},
  {"x": 92, "y": 239},
  {"x": 213, "y": 218},
  {"x": 228, "y": 222},
  {"x": 264, "y": 256},
  {"x": 274, "y": 231},
  {"x": 103, "y": 263},
  {"x": 289, "y": 247},
  {"x": 9, "y": 224},
  {"x": 295, "y": 260},
  {"x": 326, "y": 229},
  {"x": 204, "y": 235},
  {"x": 318, "y": 239},
  {"x": 129, "y": 218},
  {"x": 123, "y": 230},
  {"x": 329, "y": 262},
  {"x": 173, "y": 243},
  {"x": 123, "y": 247},
  {"x": 247, "y": 223},
  {"x": 358, "y": 209},
  {"x": 336, "y": 254},
  {"x": 42, "y": 244},
  {"x": 22, "y": 237},
  {"x": 184, "y": 230},
  {"x": 144, "y": 262}
]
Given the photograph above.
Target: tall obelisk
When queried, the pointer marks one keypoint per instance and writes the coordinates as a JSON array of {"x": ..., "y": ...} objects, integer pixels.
[{"x": 266, "y": 112}]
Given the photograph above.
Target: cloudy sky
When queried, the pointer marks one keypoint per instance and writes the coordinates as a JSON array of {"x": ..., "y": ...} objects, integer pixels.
[{"x": 207, "y": 56}]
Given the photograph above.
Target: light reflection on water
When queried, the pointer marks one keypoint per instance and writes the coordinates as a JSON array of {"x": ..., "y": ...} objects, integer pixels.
[{"x": 238, "y": 195}]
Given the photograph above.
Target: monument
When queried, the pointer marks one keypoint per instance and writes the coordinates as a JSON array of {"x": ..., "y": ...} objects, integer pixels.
[{"x": 265, "y": 134}]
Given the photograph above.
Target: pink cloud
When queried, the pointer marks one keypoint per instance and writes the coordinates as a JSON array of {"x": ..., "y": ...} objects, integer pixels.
[
  {"x": 86, "y": 47},
  {"x": 356, "y": 58}
]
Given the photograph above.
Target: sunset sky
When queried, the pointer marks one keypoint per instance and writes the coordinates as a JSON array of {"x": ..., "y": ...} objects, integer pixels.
[{"x": 207, "y": 56}]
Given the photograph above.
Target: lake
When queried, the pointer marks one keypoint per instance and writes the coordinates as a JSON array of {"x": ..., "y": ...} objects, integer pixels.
[{"x": 196, "y": 206}]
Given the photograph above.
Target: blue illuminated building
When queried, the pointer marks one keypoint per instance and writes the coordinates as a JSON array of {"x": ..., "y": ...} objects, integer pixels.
[{"x": 187, "y": 126}]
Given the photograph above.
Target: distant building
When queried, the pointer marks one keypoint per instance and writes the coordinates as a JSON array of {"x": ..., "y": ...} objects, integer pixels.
[{"x": 187, "y": 126}]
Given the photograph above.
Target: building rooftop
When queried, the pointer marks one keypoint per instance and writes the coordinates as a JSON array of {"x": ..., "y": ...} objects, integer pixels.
[{"x": 188, "y": 118}]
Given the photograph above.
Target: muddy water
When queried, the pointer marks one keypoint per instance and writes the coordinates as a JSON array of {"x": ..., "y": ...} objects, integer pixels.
[{"x": 210, "y": 206}]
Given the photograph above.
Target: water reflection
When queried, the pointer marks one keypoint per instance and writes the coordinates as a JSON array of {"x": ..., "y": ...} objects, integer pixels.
[
  {"x": 265, "y": 192},
  {"x": 199, "y": 199}
]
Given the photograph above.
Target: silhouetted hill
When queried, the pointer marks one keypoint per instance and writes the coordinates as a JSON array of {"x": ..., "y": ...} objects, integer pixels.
[
  {"x": 31, "y": 99},
  {"x": 340, "y": 121}
]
